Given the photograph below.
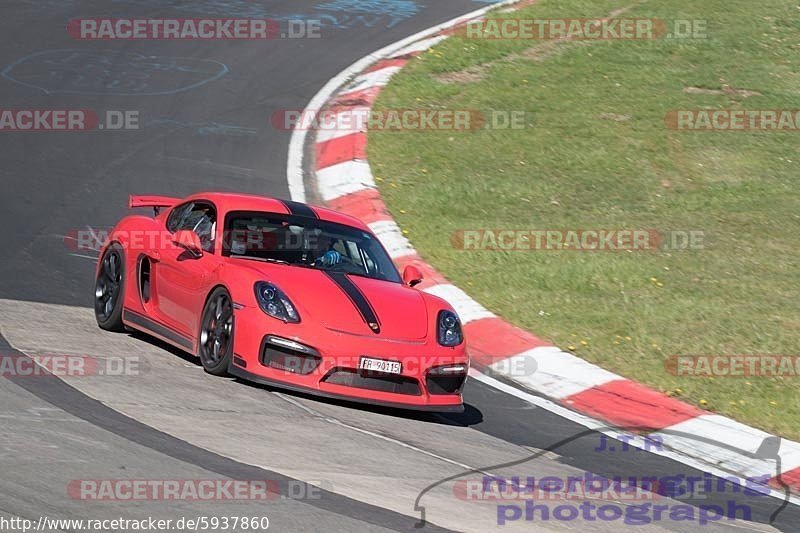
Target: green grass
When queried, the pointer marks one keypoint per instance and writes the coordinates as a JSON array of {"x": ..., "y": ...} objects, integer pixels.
[{"x": 572, "y": 168}]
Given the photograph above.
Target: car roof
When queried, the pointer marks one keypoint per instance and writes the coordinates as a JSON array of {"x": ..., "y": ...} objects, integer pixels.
[{"x": 226, "y": 202}]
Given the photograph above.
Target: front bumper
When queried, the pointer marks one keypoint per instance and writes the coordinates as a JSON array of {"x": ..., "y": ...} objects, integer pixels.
[
  {"x": 255, "y": 378},
  {"x": 328, "y": 366}
]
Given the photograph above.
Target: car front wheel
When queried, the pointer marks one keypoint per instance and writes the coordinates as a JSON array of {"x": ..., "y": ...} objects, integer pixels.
[{"x": 216, "y": 333}]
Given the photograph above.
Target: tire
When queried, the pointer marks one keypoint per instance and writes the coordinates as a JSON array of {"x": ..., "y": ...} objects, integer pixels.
[
  {"x": 215, "y": 341},
  {"x": 109, "y": 289}
]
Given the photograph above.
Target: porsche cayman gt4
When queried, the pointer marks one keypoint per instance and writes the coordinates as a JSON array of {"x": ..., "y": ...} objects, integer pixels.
[{"x": 283, "y": 294}]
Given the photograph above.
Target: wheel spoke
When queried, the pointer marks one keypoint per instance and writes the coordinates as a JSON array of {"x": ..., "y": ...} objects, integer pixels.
[
  {"x": 107, "y": 267},
  {"x": 217, "y": 346},
  {"x": 226, "y": 315},
  {"x": 101, "y": 290}
]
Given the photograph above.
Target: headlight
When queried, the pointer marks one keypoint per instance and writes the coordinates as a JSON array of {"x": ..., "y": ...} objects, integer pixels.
[
  {"x": 273, "y": 302},
  {"x": 449, "y": 329}
]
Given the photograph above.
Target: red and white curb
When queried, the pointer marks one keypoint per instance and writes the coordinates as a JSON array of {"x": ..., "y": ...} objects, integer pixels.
[{"x": 345, "y": 183}]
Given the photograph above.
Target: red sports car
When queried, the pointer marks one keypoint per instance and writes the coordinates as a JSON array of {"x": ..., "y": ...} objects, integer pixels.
[{"x": 285, "y": 294}]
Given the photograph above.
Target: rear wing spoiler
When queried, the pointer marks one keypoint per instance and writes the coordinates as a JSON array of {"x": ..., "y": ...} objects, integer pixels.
[{"x": 156, "y": 202}]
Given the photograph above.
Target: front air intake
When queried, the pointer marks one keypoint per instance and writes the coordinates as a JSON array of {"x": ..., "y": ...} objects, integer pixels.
[
  {"x": 446, "y": 379},
  {"x": 373, "y": 381},
  {"x": 289, "y": 356}
]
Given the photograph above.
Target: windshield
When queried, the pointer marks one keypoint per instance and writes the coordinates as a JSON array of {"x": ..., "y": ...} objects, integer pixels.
[{"x": 305, "y": 242}]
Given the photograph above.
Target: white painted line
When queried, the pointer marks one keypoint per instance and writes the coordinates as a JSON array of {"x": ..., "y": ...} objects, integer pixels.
[
  {"x": 725, "y": 430},
  {"x": 420, "y": 46},
  {"x": 95, "y": 258},
  {"x": 558, "y": 374},
  {"x": 69, "y": 237},
  {"x": 96, "y": 238},
  {"x": 392, "y": 238},
  {"x": 294, "y": 164},
  {"x": 345, "y": 122},
  {"x": 344, "y": 178},
  {"x": 385, "y": 438},
  {"x": 467, "y": 308},
  {"x": 368, "y": 80}
]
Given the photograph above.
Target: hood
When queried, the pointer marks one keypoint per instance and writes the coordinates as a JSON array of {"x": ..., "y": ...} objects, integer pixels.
[{"x": 350, "y": 304}]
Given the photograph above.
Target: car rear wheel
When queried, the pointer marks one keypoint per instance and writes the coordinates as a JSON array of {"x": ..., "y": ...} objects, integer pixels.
[
  {"x": 109, "y": 289},
  {"x": 216, "y": 333}
]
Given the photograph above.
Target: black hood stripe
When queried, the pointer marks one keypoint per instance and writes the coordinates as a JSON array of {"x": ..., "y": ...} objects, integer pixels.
[
  {"x": 357, "y": 297},
  {"x": 299, "y": 209}
]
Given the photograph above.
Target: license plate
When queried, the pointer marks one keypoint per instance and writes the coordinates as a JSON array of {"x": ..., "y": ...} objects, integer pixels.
[{"x": 380, "y": 365}]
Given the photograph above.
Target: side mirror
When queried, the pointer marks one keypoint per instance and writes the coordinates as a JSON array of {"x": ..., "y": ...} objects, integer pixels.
[
  {"x": 189, "y": 241},
  {"x": 412, "y": 276}
]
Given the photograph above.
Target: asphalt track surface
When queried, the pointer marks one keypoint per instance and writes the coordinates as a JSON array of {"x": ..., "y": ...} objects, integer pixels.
[{"x": 204, "y": 123}]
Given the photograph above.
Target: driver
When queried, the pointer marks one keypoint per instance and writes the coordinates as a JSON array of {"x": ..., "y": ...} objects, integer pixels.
[{"x": 329, "y": 257}]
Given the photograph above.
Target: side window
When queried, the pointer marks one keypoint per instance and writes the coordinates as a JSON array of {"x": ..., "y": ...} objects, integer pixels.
[
  {"x": 176, "y": 217},
  {"x": 372, "y": 268},
  {"x": 354, "y": 254},
  {"x": 197, "y": 217}
]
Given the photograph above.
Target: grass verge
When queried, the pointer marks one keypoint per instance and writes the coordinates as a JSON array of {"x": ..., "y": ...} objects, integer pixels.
[{"x": 595, "y": 154}]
